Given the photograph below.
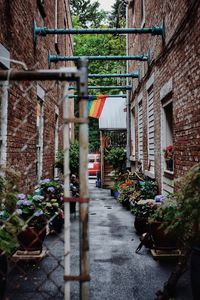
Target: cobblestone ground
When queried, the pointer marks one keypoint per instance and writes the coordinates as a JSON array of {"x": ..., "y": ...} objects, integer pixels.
[{"x": 117, "y": 272}]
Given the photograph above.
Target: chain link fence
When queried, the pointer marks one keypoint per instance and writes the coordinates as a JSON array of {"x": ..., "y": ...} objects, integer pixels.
[{"x": 35, "y": 200}]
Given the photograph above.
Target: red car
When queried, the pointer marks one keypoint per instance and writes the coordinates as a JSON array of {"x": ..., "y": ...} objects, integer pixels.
[{"x": 93, "y": 164}]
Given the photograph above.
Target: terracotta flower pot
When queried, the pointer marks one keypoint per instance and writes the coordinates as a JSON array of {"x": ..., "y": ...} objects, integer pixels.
[{"x": 32, "y": 238}]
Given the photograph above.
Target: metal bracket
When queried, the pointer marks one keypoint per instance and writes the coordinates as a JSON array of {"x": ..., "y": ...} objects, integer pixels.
[
  {"x": 77, "y": 277},
  {"x": 76, "y": 199}
]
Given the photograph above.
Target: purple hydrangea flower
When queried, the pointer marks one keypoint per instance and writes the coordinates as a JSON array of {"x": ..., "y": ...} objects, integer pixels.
[
  {"x": 38, "y": 213},
  {"x": 24, "y": 202},
  {"x": 21, "y": 196},
  {"x": 2, "y": 213},
  {"x": 45, "y": 180},
  {"x": 51, "y": 189},
  {"x": 19, "y": 211},
  {"x": 38, "y": 198}
]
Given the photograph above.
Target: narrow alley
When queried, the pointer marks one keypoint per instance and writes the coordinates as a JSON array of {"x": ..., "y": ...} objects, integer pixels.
[{"x": 117, "y": 272}]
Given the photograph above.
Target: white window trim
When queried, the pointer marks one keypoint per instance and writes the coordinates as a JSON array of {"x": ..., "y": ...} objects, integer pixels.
[
  {"x": 5, "y": 64},
  {"x": 165, "y": 91},
  {"x": 56, "y": 139},
  {"x": 40, "y": 97},
  {"x": 140, "y": 158},
  {"x": 132, "y": 133}
]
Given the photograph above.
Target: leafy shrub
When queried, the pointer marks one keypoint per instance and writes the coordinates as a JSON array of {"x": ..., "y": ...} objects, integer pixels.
[{"x": 116, "y": 157}]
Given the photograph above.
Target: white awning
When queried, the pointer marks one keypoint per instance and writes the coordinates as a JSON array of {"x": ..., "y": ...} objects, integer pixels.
[{"x": 113, "y": 115}]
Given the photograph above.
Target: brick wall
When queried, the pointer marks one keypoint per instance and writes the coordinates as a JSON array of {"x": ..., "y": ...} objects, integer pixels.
[
  {"x": 175, "y": 58},
  {"x": 16, "y": 35}
]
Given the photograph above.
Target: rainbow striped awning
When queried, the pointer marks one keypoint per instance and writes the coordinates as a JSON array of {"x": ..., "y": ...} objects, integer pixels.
[{"x": 95, "y": 105}]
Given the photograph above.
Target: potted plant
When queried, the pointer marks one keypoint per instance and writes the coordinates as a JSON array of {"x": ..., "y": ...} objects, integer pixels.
[
  {"x": 10, "y": 224},
  {"x": 162, "y": 238},
  {"x": 116, "y": 157},
  {"x": 52, "y": 191},
  {"x": 142, "y": 210},
  {"x": 169, "y": 157},
  {"x": 32, "y": 211},
  {"x": 185, "y": 222}
]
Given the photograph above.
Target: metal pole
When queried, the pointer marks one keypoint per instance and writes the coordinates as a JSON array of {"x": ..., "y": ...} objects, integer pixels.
[
  {"x": 71, "y": 74},
  {"x": 131, "y": 75},
  {"x": 57, "y": 58},
  {"x": 83, "y": 174},
  {"x": 110, "y": 96},
  {"x": 119, "y": 87},
  {"x": 66, "y": 114},
  {"x": 43, "y": 31},
  {"x": 99, "y": 87}
]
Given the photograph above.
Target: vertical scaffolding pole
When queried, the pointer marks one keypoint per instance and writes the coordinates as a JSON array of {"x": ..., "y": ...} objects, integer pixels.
[
  {"x": 66, "y": 115},
  {"x": 83, "y": 174}
]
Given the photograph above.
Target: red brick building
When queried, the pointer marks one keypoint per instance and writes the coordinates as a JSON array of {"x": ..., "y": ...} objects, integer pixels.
[
  {"x": 165, "y": 103},
  {"x": 31, "y": 113}
]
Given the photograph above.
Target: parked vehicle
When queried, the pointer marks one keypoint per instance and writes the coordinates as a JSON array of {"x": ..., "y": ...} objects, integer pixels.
[{"x": 94, "y": 164}]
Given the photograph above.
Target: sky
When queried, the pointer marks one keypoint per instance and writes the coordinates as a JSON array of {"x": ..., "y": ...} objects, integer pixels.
[{"x": 105, "y": 4}]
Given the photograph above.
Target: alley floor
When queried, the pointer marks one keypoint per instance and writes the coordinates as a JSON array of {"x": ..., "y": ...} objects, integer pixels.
[{"x": 117, "y": 272}]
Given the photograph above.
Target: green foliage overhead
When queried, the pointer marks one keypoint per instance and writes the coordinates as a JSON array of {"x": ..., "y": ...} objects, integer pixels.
[
  {"x": 117, "y": 17},
  {"x": 88, "y": 13},
  {"x": 73, "y": 159}
]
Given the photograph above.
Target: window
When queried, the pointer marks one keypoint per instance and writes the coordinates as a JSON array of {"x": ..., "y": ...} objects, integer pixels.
[
  {"x": 150, "y": 128},
  {"x": 39, "y": 131},
  {"x": 140, "y": 132},
  {"x": 56, "y": 134},
  {"x": 132, "y": 150},
  {"x": 142, "y": 13}
]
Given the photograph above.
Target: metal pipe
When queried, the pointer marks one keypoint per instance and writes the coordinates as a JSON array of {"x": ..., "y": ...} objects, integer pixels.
[
  {"x": 66, "y": 138},
  {"x": 99, "y": 87},
  {"x": 43, "y": 31},
  {"x": 109, "y": 96},
  {"x": 56, "y": 58},
  {"x": 119, "y": 87},
  {"x": 71, "y": 74},
  {"x": 131, "y": 75},
  {"x": 83, "y": 175}
]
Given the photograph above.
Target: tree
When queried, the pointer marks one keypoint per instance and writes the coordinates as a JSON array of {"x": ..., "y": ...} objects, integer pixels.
[
  {"x": 117, "y": 17},
  {"x": 87, "y": 12}
]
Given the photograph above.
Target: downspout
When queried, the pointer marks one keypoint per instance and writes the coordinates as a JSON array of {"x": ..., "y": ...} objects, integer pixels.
[
  {"x": 127, "y": 101},
  {"x": 56, "y": 26}
]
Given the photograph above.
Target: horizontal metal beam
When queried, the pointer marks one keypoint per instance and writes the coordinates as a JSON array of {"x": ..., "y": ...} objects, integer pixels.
[
  {"x": 103, "y": 87},
  {"x": 69, "y": 74},
  {"x": 92, "y": 96},
  {"x": 57, "y": 58},
  {"x": 43, "y": 31},
  {"x": 131, "y": 75}
]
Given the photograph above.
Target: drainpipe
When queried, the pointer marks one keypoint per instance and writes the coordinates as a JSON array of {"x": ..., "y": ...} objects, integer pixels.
[
  {"x": 127, "y": 101},
  {"x": 56, "y": 27}
]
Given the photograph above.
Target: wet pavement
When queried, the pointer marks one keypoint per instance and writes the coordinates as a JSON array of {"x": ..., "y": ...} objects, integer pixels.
[{"x": 116, "y": 271}]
